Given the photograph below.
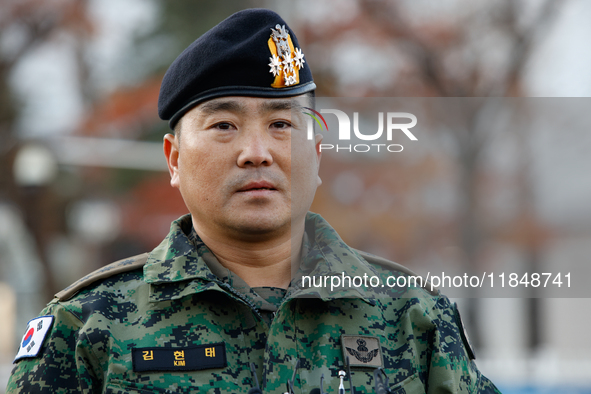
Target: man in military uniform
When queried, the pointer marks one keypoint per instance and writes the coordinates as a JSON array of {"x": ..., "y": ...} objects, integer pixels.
[{"x": 220, "y": 305}]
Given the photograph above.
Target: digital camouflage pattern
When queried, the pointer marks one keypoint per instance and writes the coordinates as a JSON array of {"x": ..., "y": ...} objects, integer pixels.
[{"x": 175, "y": 305}]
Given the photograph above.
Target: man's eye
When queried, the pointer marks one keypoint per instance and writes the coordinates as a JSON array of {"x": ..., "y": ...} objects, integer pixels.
[
  {"x": 224, "y": 126},
  {"x": 281, "y": 125}
]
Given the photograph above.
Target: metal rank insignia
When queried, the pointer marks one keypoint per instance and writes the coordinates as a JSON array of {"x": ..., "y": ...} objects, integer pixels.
[
  {"x": 363, "y": 351},
  {"x": 286, "y": 61}
]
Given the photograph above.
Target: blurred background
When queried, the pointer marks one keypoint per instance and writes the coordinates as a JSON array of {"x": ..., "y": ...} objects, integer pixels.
[{"x": 83, "y": 181}]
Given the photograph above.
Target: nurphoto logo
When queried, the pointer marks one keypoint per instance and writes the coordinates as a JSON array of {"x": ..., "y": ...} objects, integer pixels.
[{"x": 393, "y": 125}]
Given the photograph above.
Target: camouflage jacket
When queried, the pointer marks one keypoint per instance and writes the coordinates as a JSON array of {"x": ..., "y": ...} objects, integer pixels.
[{"x": 164, "y": 323}]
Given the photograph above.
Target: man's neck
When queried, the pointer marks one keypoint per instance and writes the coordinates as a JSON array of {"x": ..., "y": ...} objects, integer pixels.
[{"x": 267, "y": 263}]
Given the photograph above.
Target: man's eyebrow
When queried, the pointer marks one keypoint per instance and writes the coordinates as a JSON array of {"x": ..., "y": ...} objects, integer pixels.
[
  {"x": 281, "y": 105},
  {"x": 212, "y": 107}
]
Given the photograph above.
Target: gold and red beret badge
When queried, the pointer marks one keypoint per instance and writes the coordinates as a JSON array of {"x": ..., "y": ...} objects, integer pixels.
[{"x": 286, "y": 60}]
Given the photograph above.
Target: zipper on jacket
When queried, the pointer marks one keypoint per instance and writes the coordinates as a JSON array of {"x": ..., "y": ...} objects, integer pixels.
[{"x": 242, "y": 297}]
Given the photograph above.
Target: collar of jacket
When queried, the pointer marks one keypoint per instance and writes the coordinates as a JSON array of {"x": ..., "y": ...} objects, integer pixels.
[{"x": 177, "y": 267}]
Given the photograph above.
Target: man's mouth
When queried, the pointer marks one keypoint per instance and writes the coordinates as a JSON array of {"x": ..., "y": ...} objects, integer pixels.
[{"x": 257, "y": 186}]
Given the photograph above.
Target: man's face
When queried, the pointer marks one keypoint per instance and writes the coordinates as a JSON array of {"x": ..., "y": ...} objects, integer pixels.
[{"x": 243, "y": 166}]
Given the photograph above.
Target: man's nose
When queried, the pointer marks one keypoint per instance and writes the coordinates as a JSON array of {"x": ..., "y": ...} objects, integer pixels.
[{"x": 255, "y": 150}]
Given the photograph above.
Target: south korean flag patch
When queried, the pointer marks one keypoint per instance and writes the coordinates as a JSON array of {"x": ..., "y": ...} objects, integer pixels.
[{"x": 35, "y": 334}]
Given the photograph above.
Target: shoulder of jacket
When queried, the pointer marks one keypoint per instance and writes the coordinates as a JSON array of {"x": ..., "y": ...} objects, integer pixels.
[
  {"x": 121, "y": 266},
  {"x": 395, "y": 267}
]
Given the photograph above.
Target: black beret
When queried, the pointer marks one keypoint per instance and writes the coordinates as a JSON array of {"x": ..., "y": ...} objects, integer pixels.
[{"x": 251, "y": 53}]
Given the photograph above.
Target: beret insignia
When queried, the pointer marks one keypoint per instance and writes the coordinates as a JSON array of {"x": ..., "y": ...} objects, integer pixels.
[{"x": 286, "y": 60}]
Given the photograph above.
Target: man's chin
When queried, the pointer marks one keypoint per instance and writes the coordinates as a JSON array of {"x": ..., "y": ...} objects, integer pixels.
[{"x": 260, "y": 228}]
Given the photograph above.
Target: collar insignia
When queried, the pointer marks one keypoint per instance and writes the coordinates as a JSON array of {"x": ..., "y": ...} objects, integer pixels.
[
  {"x": 363, "y": 351},
  {"x": 286, "y": 60}
]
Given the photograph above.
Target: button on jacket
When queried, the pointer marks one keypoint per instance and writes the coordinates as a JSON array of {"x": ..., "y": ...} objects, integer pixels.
[{"x": 166, "y": 323}]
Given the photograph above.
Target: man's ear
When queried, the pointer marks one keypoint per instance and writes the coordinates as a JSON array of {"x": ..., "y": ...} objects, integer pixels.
[
  {"x": 171, "y": 152},
  {"x": 318, "y": 141}
]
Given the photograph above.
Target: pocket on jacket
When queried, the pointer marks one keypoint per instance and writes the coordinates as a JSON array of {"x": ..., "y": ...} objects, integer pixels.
[{"x": 410, "y": 385}]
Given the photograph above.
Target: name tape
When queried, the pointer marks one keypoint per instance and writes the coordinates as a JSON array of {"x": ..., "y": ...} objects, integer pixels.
[{"x": 191, "y": 358}]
